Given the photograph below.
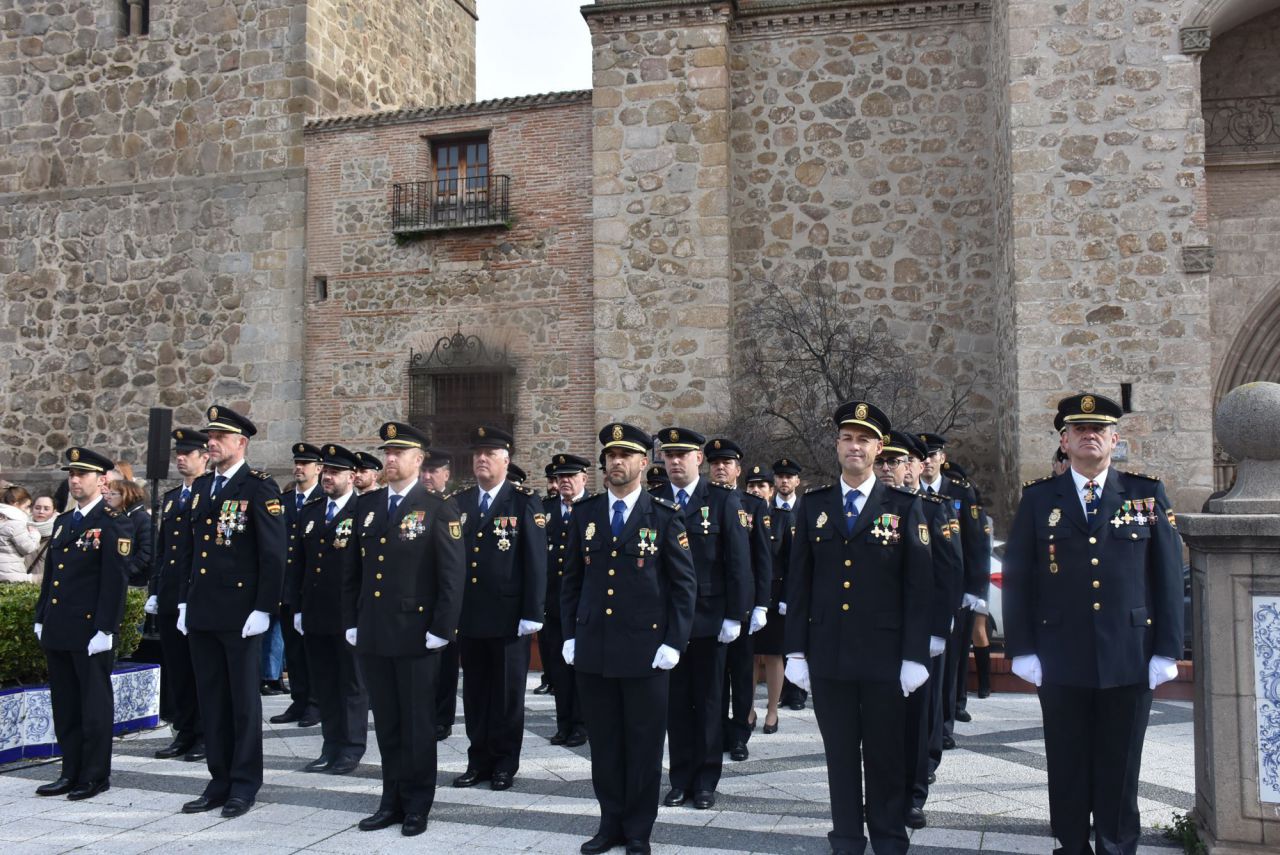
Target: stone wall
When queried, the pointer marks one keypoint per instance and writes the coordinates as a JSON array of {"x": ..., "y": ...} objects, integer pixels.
[
  {"x": 861, "y": 157},
  {"x": 527, "y": 288},
  {"x": 1107, "y": 173}
]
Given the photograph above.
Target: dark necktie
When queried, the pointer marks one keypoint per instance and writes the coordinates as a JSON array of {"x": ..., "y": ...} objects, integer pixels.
[
  {"x": 297, "y": 501},
  {"x": 618, "y": 508},
  {"x": 786, "y": 506},
  {"x": 1092, "y": 498},
  {"x": 850, "y": 511},
  {"x": 184, "y": 498},
  {"x": 218, "y": 482},
  {"x": 393, "y": 504},
  {"x": 565, "y": 509},
  {"x": 76, "y": 517},
  {"x": 484, "y": 504},
  {"x": 928, "y": 491},
  {"x": 682, "y": 498},
  {"x": 331, "y": 512}
]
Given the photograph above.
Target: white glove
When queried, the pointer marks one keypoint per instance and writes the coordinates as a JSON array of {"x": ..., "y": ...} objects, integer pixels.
[
  {"x": 351, "y": 636},
  {"x": 782, "y": 608},
  {"x": 527, "y": 627},
  {"x": 297, "y": 623},
  {"x": 937, "y": 646},
  {"x": 1161, "y": 669},
  {"x": 434, "y": 642},
  {"x": 1028, "y": 668},
  {"x": 969, "y": 601},
  {"x": 567, "y": 650},
  {"x": 729, "y": 631},
  {"x": 256, "y": 624},
  {"x": 759, "y": 617},
  {"x": 182, "y": 618},
  {"x": 39, "y": 628},
  {"x": 797, "y": 671},
  {"x": 911, "y": 676},
  {"x": 100, "y": 643},
  {"x": 152, "y": 605},
  {"x": 666, "y": 658},
  {"x": 981, "y": 607}
]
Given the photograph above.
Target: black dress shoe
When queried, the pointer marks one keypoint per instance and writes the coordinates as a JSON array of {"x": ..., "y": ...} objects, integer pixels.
[
  {"x": 320, "y": 764},
  {"x": 602, "y": 842},
  {"x": 739, "y": 751},
  {"x": 983, "y": 694},
  {"x": 915, "y": 818},
  {"x": 197, "y": 753},
  {"x": 963, "y": 715},
  {"x": 675, "y": 797},
  {"x": 310, "y": 717},
  {"x": 501, "y": 781},
  {"x": 542, "y": 689},
  {"x": 202, "y": 804},
  {"x": 381, "y": 819},
  {"x": 933, "y": 778},
  {"x": 89, "y": 790},
  {"x": 55, "y": 788},
  {"x": 443, "y": 732},
  {"x": 559, "y": 738},
  {"x": 272, "y": 687},
  {"x": 343, "y": 765},
  {"x": 236, "y": 807},
  {"x": 173, "y": 749},
  {"x": 704, "y": 799},
  {"x": 769, "y": 728},
  {"x": 576, "y": 739},
  {"x": 637, "y": 847},
  {"x": 414, "y": 824},
  {"x": 471, "y": 777},
  {"x": 289, "y": 716},
  {"x": 948, "y": 743},
  {"x": 796, "y": 706}
]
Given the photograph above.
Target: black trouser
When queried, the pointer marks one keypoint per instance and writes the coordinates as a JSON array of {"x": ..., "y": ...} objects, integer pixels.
[
  {"x": 955, "y": 686},
  {"x": 295, "y": 662},
  {"x": 340, "y": 695},
  {"x": 544, "y": 651},
  {"x": 179, "y": 683},
  {"x": 447, "y": 687},
  {"x": 560, "y": 676},
  {"x": 402, "y": 690},
  {"x": 228, "y": 675},
  {"x": 83, "y": 712},
  {"x": 493, "y": 701},
  {"x": 626, "y": 720},
  {"x": 1093, "y": 744},
  {"x": 739, "y": 690},
  {"x": 862, "y": 722},
  {"x": 694, "y": 730},
  {"x": 923, "y": 723}
]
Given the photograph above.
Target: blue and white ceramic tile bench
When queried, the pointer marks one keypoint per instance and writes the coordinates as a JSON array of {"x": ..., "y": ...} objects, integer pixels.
[{"x": 26, "y": 713}]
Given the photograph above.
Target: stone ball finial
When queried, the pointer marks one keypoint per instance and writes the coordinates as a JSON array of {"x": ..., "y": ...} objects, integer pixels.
[{"x": 1247, "y": 423}]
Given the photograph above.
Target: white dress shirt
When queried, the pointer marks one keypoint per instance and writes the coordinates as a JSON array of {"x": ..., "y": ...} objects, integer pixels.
[
  {"x": 864, "y": 489},
  {"x": 629, "y": 500},
  {"x": 1100, "y": 479}
]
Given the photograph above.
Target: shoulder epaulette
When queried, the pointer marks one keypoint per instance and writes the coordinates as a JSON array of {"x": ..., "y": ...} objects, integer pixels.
[
  {"x": 318, "y": 497},
  {"x": 817, "y": 489},
  {"x": 520, "y": 488},
  {"x": 260, "y": 475},
  {"x": 729, "y": 487},
  {"x": 585, "y": 496},
  {"x": 666, "y": 503},
  {"x": 958, "y": 481},
  {"x": 1141, "y": 475},
  {"x": 455, "y": 493},
  {"x": 937, "y": 500},
  {"x": 1026, "y": 484}
]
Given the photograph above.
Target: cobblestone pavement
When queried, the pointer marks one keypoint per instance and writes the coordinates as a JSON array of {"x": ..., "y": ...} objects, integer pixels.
[{"x": 990, "y": 796}]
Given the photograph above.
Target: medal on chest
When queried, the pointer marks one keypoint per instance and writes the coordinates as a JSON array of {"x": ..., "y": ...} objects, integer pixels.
[
  {"x": 232, "y": 518},
  {"x": 706, "y": 520},
  {"x": 91, "y": 539},
  {"x": 342, "y": 533},
  {"x": 885, "y": 529},
  {"x": 413, "y": 524},
  {"x": 505, "y": 529},
  {"x": 648, "y": 543}
]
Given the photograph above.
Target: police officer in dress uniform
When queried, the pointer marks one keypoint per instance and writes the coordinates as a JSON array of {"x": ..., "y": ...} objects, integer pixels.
[
  {"x": 191, "y": 456},
  {"x": 719, "y": 540},
  {"x": 655, "y": 476},
  {"x": 786, "y": 486},
  {"x": 365, "y": 478},
  {"x": 1093, "y": 615},
  {"x": 434, "y": 473},
  {"x": 859, "y": 595},
  {"x": 78, "y": 616},
  {"x": 401, "y": 599},
  {"x": 724, "y": 457},
  {"x": 768, "y": 642},
  {"x": 237, "y": 557},
  {"x": 506, "y": 540},
  {"x": 570, "y": 471},
  {"x": 627, "y": 607},
  {"x": 896, "y": 468},
  {"x": 303, "y": 707},
  {"x": 326, "y": 552},
  {"x": 975, "y": 547}
]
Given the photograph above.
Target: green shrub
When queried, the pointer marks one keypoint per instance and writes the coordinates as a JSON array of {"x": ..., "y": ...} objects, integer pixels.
[
  {"x": 21, "y": 659},
  {"x": 1185, "y": 831}
]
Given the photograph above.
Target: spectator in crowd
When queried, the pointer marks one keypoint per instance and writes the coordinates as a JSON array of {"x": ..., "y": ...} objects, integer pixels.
[
  {"x": 18, "y": 538},
  {"x": 43, "y": 513},
  {"x": 122, "y": 472},
  {"x": 128, "y": 498}
]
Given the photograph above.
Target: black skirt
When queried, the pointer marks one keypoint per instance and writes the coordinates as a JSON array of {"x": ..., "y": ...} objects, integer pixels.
[{"x": 770, "y": 640}]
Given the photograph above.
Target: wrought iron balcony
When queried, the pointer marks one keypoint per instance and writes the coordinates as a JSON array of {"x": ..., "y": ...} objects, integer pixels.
[{"x": 462, "y": 203}]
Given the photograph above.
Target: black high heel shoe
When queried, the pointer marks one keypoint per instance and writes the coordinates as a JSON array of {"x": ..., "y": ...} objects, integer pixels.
[{"x": 770, "y": 728}]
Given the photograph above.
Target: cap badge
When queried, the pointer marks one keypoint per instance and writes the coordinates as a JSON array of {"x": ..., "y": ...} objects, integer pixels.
[
  {"x": 562, "y": 458},
  {"x": 391, "y": 431},
  {"x": 1087, "y": 404},
  {"x": 716, "y": 443},
  {"x": 213, "y": 412},
  {"x": 480, "y": 431},
  {"x": 617, "y": 432},
  {"x": 75, "y": 455},
  {"x": 332, "y": 451},
  {"x": 179, "y": 435},
  {"x": 784, "y": 462},
  {"x": 673, "y": 435},
  {"x": 860, "y": 412}
]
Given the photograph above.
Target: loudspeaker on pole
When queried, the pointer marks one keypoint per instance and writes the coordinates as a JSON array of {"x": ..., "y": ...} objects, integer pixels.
[{"x": 158, "y": 443}]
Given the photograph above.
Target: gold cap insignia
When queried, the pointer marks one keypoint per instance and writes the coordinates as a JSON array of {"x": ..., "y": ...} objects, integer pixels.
[
  {"x": 75, "y": 455},
  {"x": 179, "y": 435},
  {"x": 784, "y": 461},
  {"x": 716, "y": 443},
  {"x": 562, "y": 458},
  {"x": 674, "y": 435},
  {"x": 617, "y": 432},
  {"x": 391, "y": 431},
  {"x": 479, "y": 431},
  {"x": 332, "y": 450},
  {"x": 213, "y": 412},
  {"x": 755, "y": 470},
  {"x": 1087, "y": 404},
  {"x": 860, "y": 412}
]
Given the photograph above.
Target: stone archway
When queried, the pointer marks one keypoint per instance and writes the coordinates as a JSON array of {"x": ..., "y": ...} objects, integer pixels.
[{"x": 1254, "y": 353}]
